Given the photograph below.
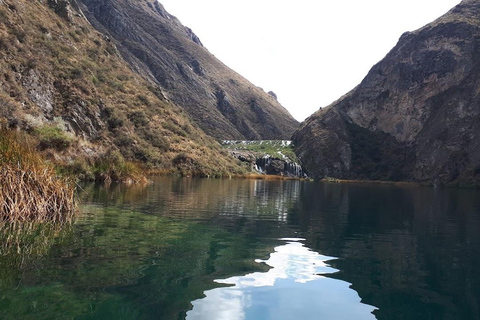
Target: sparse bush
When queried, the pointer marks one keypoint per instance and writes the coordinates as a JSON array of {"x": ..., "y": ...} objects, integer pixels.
[
  {"x": 76, "y": 73},
  {"x": 42, "y": 29},
  {"x": 20, "y": 34},
  {"x": 80, "y": 168},
  {"x": 143, "y": 153},
  {"x": 110, "y": 50},
  {"x": 155, "y": 138},
  {"x": 118, "y": 86},
  {"x": 188, "y": 166},
  {"x": 182, "y": 158},
  {"x": 101, "y": 77},
  {"x": 157, "y": 92},
  {"x": 123, "y": 140},
  {"x": 175, "y": 129},
  {"x": 138, "y": 118},
  {"x": 52, "y": 137},
  {"x": 112, "y": 167},
  {"x": 115, "y": 119},
  {"x": 74, "y": 36},
  {"x": 143, "y": 99},
  {"x": 123, "y": 77}
]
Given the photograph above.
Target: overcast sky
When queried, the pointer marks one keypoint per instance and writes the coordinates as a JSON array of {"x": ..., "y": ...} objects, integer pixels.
[{"x": 309, "y": 52}]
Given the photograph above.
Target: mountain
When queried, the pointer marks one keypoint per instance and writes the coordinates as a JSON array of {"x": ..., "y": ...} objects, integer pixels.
[
  {"x": 414, "y": 117},
  {"x": 168, "y": 54},
  {"x": 67, "y": 86}
]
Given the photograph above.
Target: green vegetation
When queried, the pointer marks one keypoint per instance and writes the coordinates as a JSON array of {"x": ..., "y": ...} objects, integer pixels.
[
  {"x": 113, "y": 167},
  {"x": 30, "y": 188},
  {"x": 52, "y": 137},
  {"x": 274, "y": 148},
  {"x": 110, "y": 248}
]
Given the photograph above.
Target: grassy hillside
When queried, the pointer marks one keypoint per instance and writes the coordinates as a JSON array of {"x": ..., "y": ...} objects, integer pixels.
[{"x": 66, "y": 85}]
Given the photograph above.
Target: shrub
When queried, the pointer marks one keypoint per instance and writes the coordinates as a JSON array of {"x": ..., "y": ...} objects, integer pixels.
[
  {"x": 181, "y": 158},
  {"x": 52, "y": 137},
  {"x": 112, "y": 167},
  {"x": 123, "y": 140},
  {"x": 155, "y": 138},
  {"x": 115, "y": 119},
  {"x": 81, "y": 169},
  {"x": 187, "y": 166},
  {"x": 76, "y": 73},
  {"x": 138, "y": 118},
  {"x": 175, "y": 129},
  {"x": 143, "y": 99}
]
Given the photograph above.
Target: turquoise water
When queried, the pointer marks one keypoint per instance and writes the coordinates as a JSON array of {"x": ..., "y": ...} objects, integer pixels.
[{"x": 250, "y": 249}]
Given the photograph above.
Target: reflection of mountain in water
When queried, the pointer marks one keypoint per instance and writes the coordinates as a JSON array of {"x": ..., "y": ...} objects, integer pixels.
[
  {"x": 204, "y": 198},
  {"x": 412, "y": 252},
  {"x": 293, "y": 288},
  {"x": 147, "y": 252},
  {"x": 266, "y": 199}
]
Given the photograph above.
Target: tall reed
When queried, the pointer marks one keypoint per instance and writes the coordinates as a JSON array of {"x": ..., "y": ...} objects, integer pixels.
[{"x": 30, "y": 189}]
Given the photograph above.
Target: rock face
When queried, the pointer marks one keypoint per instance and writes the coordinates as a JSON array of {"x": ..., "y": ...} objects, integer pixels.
[
  {"x": 415, "y": 116},
  {"x": 266, "y": 164},
  {"x": 267, "y": 157},
  {"x": 157, "y": 45}
]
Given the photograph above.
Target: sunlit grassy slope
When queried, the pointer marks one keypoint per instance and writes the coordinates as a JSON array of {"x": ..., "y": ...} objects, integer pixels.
[{"x": 67, "y": 86}]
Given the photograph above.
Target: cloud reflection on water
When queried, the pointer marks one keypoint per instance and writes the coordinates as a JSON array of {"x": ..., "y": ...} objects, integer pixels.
[{"x": 294, "y": 288}]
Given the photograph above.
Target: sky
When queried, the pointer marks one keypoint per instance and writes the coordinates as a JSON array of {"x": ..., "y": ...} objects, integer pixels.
[{"x": 309, "y": 52}]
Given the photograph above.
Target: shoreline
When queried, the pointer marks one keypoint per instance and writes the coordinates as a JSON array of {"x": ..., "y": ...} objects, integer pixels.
[{"x": 398, "y": 183}]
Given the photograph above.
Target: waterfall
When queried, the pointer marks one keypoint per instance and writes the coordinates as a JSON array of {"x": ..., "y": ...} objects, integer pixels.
[{"x": 265, "y": 165}]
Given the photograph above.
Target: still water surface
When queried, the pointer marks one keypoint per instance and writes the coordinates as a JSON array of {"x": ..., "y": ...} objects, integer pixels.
[{"x": 250, "y": 249}]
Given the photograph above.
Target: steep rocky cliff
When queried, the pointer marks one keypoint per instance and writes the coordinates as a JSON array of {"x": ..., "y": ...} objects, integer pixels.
[
  {"x": 66, "y": 85},
  {"x": 165, "y": 52},
  {"x": 415, "y": 116}
]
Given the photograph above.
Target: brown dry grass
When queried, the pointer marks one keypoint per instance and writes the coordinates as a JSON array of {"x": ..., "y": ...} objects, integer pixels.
[
  {"x": 88, "y": 83},
  {"x": 30, "y": 189}
]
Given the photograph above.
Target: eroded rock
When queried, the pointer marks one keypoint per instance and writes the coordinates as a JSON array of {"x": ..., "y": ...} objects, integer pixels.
[{"x": 414, "y": 117}]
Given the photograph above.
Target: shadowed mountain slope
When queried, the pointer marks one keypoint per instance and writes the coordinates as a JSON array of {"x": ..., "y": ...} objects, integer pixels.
[{"x": 415, "y": 116}]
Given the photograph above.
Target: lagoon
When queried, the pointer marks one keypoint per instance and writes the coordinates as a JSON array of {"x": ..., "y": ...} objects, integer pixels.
[{"x": 250, "y": 249}]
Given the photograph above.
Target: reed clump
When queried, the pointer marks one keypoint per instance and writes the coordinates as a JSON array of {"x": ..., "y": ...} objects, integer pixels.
[
  {"x": 29, "y": 239},
  {"x": 30, "y": 189}
]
